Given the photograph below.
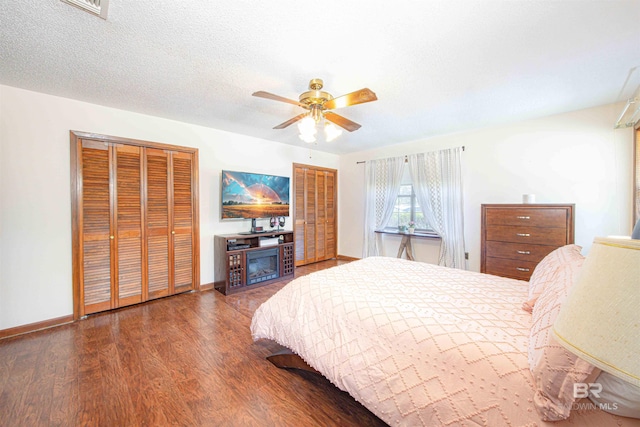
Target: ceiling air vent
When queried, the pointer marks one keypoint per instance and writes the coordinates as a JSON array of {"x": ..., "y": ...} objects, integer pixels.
[{"x": 96, "y": 7}]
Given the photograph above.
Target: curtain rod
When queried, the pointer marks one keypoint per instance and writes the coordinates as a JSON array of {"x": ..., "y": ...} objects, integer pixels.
[{"x": 405, "y": 158}]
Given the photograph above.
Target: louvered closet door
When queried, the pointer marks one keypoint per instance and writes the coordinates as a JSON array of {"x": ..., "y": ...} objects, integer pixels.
[
  {"x": 310, "y": 216},
  {"x": 129, "y": 235},
  {"x": 96, "y": 279},
  {"x": 314, "y": 214},
  {"x": 134, "y": 221},
  {"x": 321, "y": 215},
  {"x": 330, "y": 208},
  {"x": 157, "y": 231},
  {"x": 299, "y": 217},
  {"x": 182, "y": 222}
]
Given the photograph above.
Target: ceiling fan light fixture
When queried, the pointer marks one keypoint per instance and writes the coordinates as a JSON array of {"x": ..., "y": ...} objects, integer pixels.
[{"x": 319, "y": 104}]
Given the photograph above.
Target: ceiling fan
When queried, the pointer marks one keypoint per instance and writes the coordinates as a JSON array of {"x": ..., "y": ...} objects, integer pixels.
[{"x": 320, "y": 103}]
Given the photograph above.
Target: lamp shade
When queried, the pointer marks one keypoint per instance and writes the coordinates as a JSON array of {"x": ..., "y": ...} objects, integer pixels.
[{"x": 600, "y": 319}]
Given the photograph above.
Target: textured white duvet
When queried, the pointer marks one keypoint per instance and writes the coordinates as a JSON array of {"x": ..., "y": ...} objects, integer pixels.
[{"x": 415, "y": 343}]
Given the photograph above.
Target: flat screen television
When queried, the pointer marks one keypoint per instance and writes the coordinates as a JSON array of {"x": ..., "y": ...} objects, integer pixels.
[{"x": 254, "y": 195}]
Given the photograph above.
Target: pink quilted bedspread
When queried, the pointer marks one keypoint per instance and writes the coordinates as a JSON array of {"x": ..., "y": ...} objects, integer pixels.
[{"x": 415, "y": 343}]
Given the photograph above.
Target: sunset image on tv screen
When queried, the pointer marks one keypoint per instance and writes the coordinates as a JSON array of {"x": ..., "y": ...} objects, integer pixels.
[{"x": 253, "y": 195}]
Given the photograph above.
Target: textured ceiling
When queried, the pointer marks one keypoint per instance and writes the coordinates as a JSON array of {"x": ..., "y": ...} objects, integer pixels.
[{"x": 436, "y": 66}]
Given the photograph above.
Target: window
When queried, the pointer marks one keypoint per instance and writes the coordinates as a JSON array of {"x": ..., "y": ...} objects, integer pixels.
[{"x": 407, "y": 208}]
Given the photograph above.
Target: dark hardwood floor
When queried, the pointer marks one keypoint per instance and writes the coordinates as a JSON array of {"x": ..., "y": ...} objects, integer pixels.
[{"x": 186, "y": 360}]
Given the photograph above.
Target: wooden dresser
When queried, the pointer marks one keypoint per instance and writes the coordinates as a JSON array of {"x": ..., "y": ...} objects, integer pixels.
[{"x": 515, "y": 238}]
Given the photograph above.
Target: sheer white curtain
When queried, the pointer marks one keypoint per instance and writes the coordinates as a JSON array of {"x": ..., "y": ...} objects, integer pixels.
[
  {"x": 437, "y": 182},
  {"x": 383, "y": 179}
]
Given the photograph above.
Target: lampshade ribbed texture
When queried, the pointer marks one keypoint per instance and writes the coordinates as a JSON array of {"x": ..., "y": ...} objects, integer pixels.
[{"x": 600, "y": 320}]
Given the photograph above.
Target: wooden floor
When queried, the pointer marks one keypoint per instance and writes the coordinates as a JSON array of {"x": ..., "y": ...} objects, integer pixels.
[{"x": 186, "y": 360}]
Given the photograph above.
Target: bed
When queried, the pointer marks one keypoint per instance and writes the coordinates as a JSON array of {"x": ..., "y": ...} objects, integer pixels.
[{"x": 418, "y": 344}]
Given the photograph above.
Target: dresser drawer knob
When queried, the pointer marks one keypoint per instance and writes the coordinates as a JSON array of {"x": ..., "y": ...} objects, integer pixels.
[
  {"x": 522, "y": 269},
  {"x": 524, "y": 252},
  {"x": 523, "y": 234},
  {"x": 523, "y": 217}
]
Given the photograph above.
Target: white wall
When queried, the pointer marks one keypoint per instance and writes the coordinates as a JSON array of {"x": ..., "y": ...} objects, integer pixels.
[
  {"x": 35, "y": 205},
  {"x": 569, "y": 158}
]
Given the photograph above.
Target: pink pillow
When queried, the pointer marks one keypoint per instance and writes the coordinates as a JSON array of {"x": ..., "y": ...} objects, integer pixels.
[
  {"x": 545, "y": 270},
  {"x": 554, "y": 369}
]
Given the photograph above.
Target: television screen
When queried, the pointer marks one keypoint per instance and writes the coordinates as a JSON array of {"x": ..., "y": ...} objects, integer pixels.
[{"x": 254, "y": 195}]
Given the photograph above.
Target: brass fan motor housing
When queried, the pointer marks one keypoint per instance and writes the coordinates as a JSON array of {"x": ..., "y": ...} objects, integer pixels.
[{"x": 315, "y": 95}]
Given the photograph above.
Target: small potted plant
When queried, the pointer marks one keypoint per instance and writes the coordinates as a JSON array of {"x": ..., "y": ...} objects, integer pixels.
[
  {"x": 402, "y": 228},
  {"x": 411, "y": 226}
]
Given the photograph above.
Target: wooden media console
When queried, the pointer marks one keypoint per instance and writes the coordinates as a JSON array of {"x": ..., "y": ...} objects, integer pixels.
[{"x": 247, "y": 260}]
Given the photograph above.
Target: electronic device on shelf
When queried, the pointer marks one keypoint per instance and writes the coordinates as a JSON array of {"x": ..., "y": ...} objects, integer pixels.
[
  {"x": 279, "y": 221},
  {"x": 236, "y": 246},
  {"x": 268, "y": 241},
  {"x": 255, "y": 228}
]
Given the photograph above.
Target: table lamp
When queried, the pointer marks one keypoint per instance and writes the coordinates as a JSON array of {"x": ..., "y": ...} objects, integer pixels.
[{"x": 600, "y": 319}]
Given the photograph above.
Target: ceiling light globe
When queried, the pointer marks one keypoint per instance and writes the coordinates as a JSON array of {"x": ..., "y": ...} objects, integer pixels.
[
  {"x": 307, "y": 126},
  {"x": 307, "y": 138},
  {"x": 331, "y": 132}
]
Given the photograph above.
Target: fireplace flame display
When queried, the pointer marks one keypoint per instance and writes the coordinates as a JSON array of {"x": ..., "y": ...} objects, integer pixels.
[{"x": 262, "y": 265}]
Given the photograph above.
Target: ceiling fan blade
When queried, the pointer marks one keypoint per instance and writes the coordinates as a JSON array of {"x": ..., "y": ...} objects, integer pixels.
[
  {"x": 267, "y": 95},
  {"x": 291, "y": 121},
  {"x": 341, "y": 121},
  {"x": 358, "y": 97}
]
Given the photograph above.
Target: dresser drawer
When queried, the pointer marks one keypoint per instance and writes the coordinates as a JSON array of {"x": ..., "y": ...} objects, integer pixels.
[
  {"x": 526, "y": 234},
  {"x": 555, "y": 218},
  {"x": 519, "y": 251},
  {"x": 513, "y": 268}
]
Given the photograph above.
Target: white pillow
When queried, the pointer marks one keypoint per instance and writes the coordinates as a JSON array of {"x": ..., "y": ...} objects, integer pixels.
[{"x": 617, "y": 396}]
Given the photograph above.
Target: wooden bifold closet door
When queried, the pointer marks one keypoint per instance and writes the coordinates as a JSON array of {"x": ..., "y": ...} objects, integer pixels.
[
  {"x": 315, "y": 193},
  {"x": 134, "y": 217}
]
